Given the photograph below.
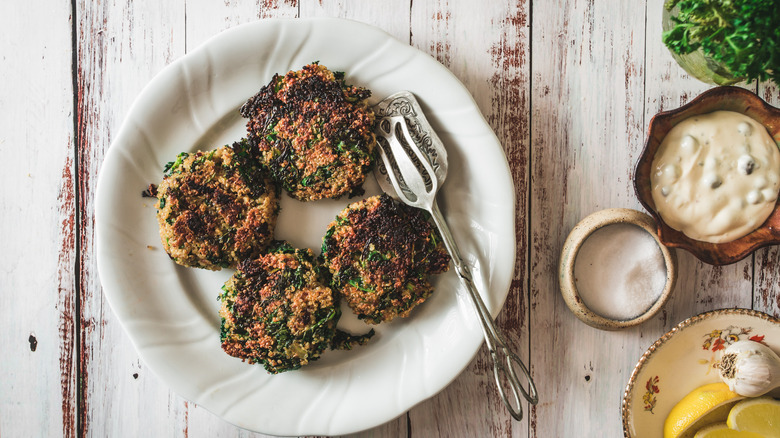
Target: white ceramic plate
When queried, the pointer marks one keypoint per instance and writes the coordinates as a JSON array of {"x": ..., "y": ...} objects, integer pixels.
[
  {"x": 683, "y": 359},
  {"x": 170, "y": 312}
]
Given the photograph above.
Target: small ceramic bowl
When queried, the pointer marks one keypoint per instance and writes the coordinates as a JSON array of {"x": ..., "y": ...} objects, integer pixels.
[
  {"x": 720, "y": 98},
  {"x": 571, "y": 248}
]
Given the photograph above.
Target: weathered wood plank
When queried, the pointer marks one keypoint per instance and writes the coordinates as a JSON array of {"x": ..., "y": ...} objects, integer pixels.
[
  {"x": 487, "y": 48},
  {"x": 392, "y": 16},
  {"x": 572, "y": 118},
  {"x": 766, "y": 292},
  {"x": 207, "y": 19},
  {"x": 121, "y": 46},
  {"x": 587, "y": 128},
  {"x": 38, "y": 392}
]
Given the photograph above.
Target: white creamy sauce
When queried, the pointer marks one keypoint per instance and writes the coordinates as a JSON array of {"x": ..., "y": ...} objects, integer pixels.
[{"x": 716, "y": 176}]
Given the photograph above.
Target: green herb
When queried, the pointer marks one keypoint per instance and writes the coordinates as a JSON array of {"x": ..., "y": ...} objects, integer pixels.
[
  {"x": 321, "y": 174},
  {"x": 376, "y": 256},
  {"x": 172, "y": 165},
  {"x": 346, "y": 341},
  {"x": 357, "y": 152},
  {"x": 358, "y": 284},
  {"x": 278, "y": 329},
  {"x": 329, "y": 233},
  {"x": 282, "y": 247},
  {"x": 323, "y": 316},
  {"x": 743, "y": 35},
  {"x": 278, "y": 84},
  {"x": 217, "y": 260},
  {"x": 224, "y": 331},
  {"x": 434, "y": 238},
  {"x": 326, "y": 240},
  {"x": 202, "y": 158},
  {"x": 226, "y": 240},
  {"x": 296, "y": 278}
]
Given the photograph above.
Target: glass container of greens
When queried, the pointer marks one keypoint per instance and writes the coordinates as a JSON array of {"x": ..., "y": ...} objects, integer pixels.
[{"x": 724, "y": 41}]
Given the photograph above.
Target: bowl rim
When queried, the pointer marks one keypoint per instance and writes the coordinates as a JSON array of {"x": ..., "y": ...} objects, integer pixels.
[
  {"x": 579, "y": 234},
  {"x": 717, "y": 98},
  {"x": 625, "y": 405}
]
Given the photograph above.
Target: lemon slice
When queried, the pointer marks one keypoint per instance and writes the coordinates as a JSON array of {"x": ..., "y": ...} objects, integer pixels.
[
  {"x": 721, "y": 430},
  {"x": 760, "y": 415},
  {"x": 703, "y": 406}
]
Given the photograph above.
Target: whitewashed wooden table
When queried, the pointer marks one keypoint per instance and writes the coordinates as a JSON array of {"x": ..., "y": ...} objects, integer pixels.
[{"x": 568, "y": 86}]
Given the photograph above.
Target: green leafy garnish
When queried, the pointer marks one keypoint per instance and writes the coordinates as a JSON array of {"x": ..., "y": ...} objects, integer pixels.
[
  {"x": 321, "y": 174},
  {"x": 358, "y": 284},
  {"x": 172, "y": 165},
  {"x": 743, "y": 35},
  {"x": 346, "y": 341}
]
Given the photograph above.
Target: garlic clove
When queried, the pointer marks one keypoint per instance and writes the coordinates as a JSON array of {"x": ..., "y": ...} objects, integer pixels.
[{"x": 750, "y": 368}]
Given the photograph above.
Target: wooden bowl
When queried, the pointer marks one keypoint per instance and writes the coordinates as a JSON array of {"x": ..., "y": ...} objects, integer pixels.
[{"x": 720, "y": 98}]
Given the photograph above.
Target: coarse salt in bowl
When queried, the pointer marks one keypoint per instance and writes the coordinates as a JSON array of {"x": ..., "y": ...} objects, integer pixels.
[{"x": 614, "y": 272}]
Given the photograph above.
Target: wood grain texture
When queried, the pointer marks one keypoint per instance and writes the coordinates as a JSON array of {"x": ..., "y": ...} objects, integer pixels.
[
  {"x": 487, "y": 49},
  {"x": 207, "y": 19},
  {"x": 38, "y": 391},
  {"x": 121, "y": 46},
  {"x": 568, "y": 86},
  {"x": 766, "y": 289},
  {"x": 587, "y": 128},
  {"x": 392, "y": 16}
]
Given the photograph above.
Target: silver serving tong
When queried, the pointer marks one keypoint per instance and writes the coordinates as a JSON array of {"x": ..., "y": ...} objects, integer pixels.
[{"x": 413, "y": 166}]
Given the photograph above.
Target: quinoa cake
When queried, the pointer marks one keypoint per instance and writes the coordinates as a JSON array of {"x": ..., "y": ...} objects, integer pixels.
[
  {"x": 216, "y": 208},
  {"x": 380, "y": 253},
  {"x": 314, "y": 132},
  {"x": 278, "y": 310}
]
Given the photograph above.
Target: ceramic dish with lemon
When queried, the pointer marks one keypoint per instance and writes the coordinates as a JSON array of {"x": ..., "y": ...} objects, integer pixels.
[{"x": 676, "y": 388}]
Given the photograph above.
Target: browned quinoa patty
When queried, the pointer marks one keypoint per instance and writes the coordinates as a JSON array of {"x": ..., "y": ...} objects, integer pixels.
[
  {"x": 216, "y": 208},
  {"x": 380, "y": 253},
  {"x": 314, "y": 132},
  {"x": 278, "y": 310}
]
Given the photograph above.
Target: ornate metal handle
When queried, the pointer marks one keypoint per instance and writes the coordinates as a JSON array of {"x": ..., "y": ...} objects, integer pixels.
[{"x": 504, "y": 359}]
